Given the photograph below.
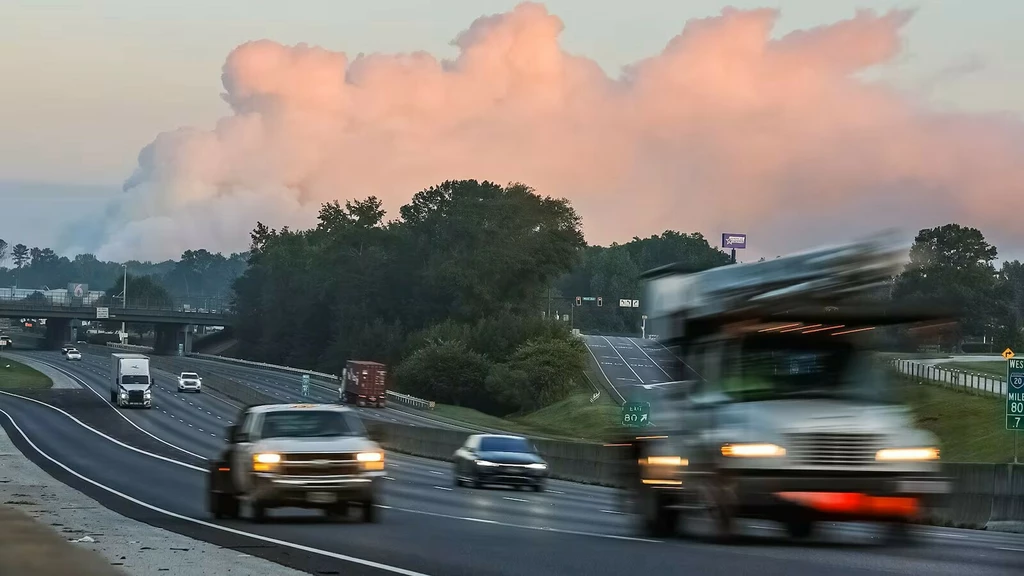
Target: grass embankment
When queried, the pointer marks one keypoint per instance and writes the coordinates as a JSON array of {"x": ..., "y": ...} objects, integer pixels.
[
  {"x": 17, "y": 376},
  {"x": 993, "y": 368},
  {"x": 970, "y": 428},
  {"x": 574, "y": 418}
]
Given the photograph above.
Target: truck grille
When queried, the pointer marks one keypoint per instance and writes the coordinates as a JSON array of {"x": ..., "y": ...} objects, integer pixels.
[
  {"x": 319, "y": 464},
  {"x": 832, "y": 449},
  {"x": 135, "y": 396}
]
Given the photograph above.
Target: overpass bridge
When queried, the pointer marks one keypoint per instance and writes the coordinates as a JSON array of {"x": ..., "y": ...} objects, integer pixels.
[{"x": 174, "y": 319}]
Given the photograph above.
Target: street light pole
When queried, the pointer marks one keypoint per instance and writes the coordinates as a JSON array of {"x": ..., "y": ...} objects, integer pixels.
[{"x": 124, "y": 304}]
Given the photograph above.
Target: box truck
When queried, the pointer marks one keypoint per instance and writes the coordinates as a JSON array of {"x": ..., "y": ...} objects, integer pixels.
[
  {"x": 364, "y": 383},
  {"x": 131, "y": 383}
]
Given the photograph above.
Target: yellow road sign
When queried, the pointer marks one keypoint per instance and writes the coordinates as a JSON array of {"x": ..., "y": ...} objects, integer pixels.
[{"x": 1007, "y": 354}]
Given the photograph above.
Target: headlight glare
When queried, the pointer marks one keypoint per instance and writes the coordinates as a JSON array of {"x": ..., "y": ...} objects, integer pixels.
[
  {"x": 758, "y": 450},
  {"x": 905, "y": 454}
]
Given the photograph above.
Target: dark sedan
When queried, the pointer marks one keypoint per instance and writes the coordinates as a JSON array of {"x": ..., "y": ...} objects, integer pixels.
[{"x": 498, "y": 459}]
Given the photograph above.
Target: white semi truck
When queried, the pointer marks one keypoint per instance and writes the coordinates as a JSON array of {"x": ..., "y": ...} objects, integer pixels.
[
  {"x": 131, "y": 384},
  {"x": 779, "y": 410}
]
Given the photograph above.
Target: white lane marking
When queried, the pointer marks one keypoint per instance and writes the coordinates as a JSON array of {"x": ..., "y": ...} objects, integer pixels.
[
  {"x": 944, "y": 535},
  {"x": 1011, "y": 549},
  {"x": 125, "y": 418},
  {"x": 554, "y": 492},
  {"x": 436, "y": 472},
  {"x": 619, "y": 354},
  {"x": 612, "y": 512},
  {"x": 642, "y": 351},
  {"x": 311, "y": 550},
  {"x": 101, "y": 434},
  {"x": 443, "y": 488},
  {"x": 603, "y": 373},
  {"x": 513, "y": 499},
  {"x": 522, "y": 526}
]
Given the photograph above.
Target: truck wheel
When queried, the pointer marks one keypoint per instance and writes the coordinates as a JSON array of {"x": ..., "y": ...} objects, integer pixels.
[
  {"x": 259, "y": 512},
  {"x": 712, "y": 513},
  {"x": 223, "y": 505},
  {"x": 655, "y": 519},
  {"x": 900, "y": 533},
  {"x": 113, "y": 397},
  {"x": 370, "y": 514},
  {"x": 800, "y": 526},
  {"x": 337, "y": 511}
]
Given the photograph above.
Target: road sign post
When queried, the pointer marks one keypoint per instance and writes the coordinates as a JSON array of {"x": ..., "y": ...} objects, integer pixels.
[
  {"x": 1014, "y": 398},
  {"x": 636, "y": 414},
  {"x": 305, "y": 384}
]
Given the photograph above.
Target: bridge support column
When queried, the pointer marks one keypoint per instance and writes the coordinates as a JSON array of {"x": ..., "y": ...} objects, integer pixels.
[
  {"x": 169, "y": 336},
  {"x": 58, "y": 331}
]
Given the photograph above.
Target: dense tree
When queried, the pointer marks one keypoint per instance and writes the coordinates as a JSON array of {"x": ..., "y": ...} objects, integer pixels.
[
  {"x": 20, "y": 255},
  {"x": 462, "y": 271},
  {"x": 1010, "y": 299},
  {"x": 952, "y": 266},
  {"x": 3, "y": 251},
  {"x": 614, "y": 273},
  {"x": 143, "y": 292}
]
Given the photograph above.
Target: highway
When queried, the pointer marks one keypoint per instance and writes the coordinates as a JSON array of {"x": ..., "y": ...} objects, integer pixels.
[
  {"x": 629, "y": 363},
  {"x": 148, "y": 464}
]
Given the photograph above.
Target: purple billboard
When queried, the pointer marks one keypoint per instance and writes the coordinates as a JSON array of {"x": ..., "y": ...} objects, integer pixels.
[{"x": 734, "y": 240}]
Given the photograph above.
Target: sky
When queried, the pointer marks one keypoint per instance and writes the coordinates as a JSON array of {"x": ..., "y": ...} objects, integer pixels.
[{"x": 824, "y": 154}]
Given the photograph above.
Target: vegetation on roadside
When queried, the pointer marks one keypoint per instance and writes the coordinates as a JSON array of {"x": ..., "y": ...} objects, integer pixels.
[
  {"x": 970, "y": 427},
  {"x": 574, "y": 418},
  {"x": 17, "y": 376}
]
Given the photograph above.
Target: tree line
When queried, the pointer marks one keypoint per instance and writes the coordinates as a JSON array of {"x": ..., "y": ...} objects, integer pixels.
[{"x": 198, "y": 276}]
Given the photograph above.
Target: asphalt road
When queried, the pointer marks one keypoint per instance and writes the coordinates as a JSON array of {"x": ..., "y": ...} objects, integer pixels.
[
  {"x": 630, "y": 363},
  {"x": 148, "y": 465}
]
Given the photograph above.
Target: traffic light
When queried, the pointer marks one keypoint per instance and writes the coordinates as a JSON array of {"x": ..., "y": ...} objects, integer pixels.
[
  {"x": 579, "y": 301},
  {"x": 599, "y": 301}
]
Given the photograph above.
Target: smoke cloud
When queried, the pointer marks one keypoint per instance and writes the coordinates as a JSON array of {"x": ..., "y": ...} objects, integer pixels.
[{"x": 727, "y": 130}]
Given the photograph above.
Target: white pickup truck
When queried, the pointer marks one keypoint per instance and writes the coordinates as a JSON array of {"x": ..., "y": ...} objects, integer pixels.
[
  {"x": 297, "y": 455},
  {"x": 190, "y": 381}
]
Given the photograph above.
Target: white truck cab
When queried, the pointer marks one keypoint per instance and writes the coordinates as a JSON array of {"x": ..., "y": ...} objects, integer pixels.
[
  {"x": 297, "y": 455},
  {"x": 780, "y": 410},
  {"x": 131, "y": 384}
]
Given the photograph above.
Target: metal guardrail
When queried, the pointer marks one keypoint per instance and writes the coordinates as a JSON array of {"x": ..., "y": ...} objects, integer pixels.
[
  {"x": 411, "y": 401},
  {"x": 956, "y": 378},
  {"x": 130, "y": 347}
]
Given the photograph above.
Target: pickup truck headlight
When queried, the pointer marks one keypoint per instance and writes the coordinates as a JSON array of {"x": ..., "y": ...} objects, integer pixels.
[
  {"x": 485, "y": 463},
  {"x": 265, "y": 462},
  {"x": 537, "y": 466},
  {"x": 907, "y": 454},
  {"x": 371, "y": 460},
  {"x": 758, "y": 450}
]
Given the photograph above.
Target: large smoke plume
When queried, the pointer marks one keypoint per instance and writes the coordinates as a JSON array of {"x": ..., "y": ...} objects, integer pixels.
[{"x": 728, "y": 129}]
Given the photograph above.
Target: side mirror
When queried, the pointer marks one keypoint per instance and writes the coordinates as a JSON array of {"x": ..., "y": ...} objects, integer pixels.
[{"x": 234, "y": 434}]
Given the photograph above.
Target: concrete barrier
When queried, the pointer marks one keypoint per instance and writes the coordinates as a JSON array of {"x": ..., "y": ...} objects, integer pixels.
[{"x": 28, "y": 547}]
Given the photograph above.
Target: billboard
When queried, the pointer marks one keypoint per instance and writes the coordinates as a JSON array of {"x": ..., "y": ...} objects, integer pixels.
[
  {"x": 732, "y": 240},
  {"x": 76, "y": 290}
]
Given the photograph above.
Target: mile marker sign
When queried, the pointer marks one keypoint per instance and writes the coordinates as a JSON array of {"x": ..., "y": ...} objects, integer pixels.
[{"x": 1015, "y": 394}]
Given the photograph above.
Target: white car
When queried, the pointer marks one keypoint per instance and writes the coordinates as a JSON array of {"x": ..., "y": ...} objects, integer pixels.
[
  {"x": 74, "y": 355},
  {"x": 189, "y": 382}
]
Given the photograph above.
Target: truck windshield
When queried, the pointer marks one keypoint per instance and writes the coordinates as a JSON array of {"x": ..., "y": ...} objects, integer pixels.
[
  {"x": 310, "y": 424},
  {"x": 780, "y": 367},
  {"x": 189, "y": 376},
  {"x": 134, "y": 379}
]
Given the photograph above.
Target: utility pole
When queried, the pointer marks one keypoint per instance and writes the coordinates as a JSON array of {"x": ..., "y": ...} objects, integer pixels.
[{"x": 124, "y": 305}]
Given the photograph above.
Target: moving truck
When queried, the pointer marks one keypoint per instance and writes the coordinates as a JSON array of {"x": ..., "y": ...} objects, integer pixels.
[
  {"x": 131, "y": 383},
  {"x": 364, "y": 383}
]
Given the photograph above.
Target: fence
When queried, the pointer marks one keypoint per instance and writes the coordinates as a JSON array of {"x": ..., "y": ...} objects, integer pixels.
[{"x": 963, "y": 380}]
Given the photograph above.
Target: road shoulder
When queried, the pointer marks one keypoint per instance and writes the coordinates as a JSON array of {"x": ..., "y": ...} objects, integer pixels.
[{"x": 134, "y": 547}]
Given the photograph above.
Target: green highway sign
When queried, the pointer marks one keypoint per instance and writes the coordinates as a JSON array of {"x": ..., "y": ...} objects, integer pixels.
[
  {"x": 636, "y": 414},
  {"x": 305, "y": 384},
  {"x": 1015, "y": 394}
]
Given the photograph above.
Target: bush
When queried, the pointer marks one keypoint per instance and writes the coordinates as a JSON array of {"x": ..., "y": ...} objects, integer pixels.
[
  {"x": 446, "y": 372},
  {"x": 552, "y": 368}
]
